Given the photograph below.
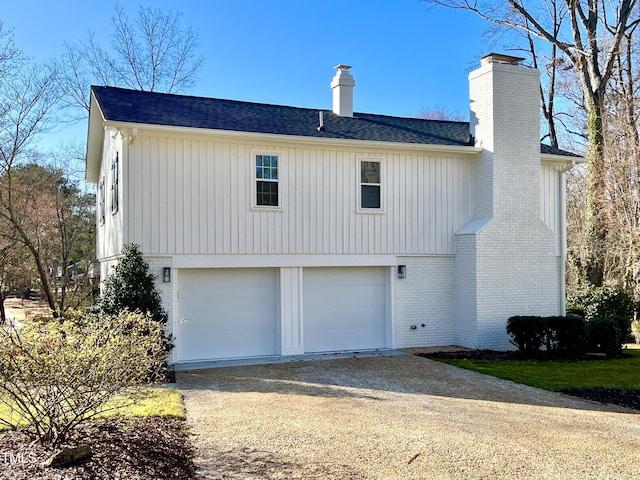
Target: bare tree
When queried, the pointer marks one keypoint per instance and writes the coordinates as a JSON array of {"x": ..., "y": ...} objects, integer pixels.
[
  {"x": 54, "y": 220},
  {"x": 438, "y": 113},
  {"x": 27, "y": 100},
  {"x": 580, "y": 43},
  {"x": 152, "y": 53},
  {"x": 622, "y": 180}
]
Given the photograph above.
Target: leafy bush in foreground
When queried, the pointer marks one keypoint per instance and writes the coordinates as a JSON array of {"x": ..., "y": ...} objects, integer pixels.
[{"x": 54, "y": 375}]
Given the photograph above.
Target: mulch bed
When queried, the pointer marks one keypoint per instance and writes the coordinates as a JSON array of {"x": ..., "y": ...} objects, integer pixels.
[
  {"x": 626, "y": 398},
  {"x": 151, "y": 448}
]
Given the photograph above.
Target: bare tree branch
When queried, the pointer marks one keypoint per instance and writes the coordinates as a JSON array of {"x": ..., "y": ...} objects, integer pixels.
[{"x": 151, "y": 53}]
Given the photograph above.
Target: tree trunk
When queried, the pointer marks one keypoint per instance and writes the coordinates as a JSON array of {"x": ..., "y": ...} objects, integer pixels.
[
  {"x": 3, "y": 312},
  {"x": 596, "y": 199}
]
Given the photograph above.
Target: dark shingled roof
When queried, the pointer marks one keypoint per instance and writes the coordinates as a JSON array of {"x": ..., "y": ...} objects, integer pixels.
[{"x": 133, "y": 106}]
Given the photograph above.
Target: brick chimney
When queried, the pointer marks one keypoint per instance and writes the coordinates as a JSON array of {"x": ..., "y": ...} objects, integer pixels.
[
  {"x": 505, "y": 122},
  {"x": 342, "y": 86},
  {"x": 507, "y": 259}
]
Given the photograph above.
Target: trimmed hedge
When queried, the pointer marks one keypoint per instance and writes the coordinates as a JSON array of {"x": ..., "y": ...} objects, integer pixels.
[
  {"x": 527, "y": 334},
  {"x": 604, "y": 335},
  {"x": 567, "y": 337},
  {"x": 562, "y": 337}
]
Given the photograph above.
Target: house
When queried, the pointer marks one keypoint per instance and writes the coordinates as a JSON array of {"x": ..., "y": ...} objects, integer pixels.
[{"x": 276, "y": 230}]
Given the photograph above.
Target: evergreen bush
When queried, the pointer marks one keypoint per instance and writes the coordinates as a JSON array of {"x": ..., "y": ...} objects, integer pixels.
[
  {"x": 600, "y": 302},
  {"x": 604, "y": 336},
  {"x": 527, "y": 334},
  {"x": 565, "y": 336},
  {"x": 132, "y": 288}
]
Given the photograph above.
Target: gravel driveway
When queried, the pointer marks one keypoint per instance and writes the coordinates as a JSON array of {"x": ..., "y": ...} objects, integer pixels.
[{"x": 400, "y": 417}]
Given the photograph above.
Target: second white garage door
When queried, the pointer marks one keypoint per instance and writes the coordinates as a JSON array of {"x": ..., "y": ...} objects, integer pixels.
[
  {"x": 226, "y": 313},
  {"x": 345, "y": 308}
]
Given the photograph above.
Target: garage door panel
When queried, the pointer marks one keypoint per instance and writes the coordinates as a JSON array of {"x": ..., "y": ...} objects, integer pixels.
[
  {"x": 226, "y": 313},
  {"x": 229, "y": 300},
  {"x": 344, "y": 308},
  {"x": 350, "y": 317},
  {"x": 342, "y": 339},
  {"x": 226, "y": 346},
  {"x": 361, "y": 295}
]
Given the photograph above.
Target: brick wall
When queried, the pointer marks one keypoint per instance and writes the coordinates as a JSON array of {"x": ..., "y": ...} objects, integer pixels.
[
  {"x": 156, "y": 267},
  {"x": 426, "y": 296},
  {"x": 506, "y": 261}
]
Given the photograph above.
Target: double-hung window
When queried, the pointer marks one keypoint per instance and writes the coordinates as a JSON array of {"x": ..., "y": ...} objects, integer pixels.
[
  {"x": 370, "y": 184},
  {"x": 115, "y": 174},
  {"x": 266, "y": 179}
]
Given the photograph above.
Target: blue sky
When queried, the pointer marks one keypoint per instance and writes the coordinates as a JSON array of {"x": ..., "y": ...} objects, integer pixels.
[{"x": 405, "y": 55}]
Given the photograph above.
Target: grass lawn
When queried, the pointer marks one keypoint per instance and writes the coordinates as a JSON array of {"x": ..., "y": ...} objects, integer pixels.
[
  {"x": 157, "y": 402},
  {"x": 619, "y": 373}
]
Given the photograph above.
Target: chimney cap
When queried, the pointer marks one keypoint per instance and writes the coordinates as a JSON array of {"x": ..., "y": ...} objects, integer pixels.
[
  {"x": 342, "y": 66},
  {"x": 500, "y": 58}
]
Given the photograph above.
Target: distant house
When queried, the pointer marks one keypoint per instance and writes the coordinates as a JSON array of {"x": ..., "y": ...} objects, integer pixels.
[{"x": 276, "y": 230}]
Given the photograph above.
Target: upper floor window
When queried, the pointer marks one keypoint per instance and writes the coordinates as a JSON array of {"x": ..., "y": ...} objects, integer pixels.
[
  {"x": 115, "y": 174},
  {"x": 267, "y": 181},
  {"x": 370, "y": 184},
  {"x": 101, "y": 196}
]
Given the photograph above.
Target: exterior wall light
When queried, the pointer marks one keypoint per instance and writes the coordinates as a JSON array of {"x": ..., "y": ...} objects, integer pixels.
[
  {"x": 402, "y": 271},
  {"x": 166, "y": 274}
]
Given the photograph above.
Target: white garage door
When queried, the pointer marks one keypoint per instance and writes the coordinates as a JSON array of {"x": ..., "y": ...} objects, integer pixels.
[
  {"x": 344, "y": 308},
  {"x": 226, "y": 313}
]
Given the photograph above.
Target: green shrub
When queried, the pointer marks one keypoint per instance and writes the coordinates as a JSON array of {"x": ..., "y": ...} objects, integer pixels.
[
  {"x": 54, "y": 375},
  {"x": 600, "y": 302},
  {"x": 604, "y": 336},
  {"x": 131, "y": 287},
  {"x": 565, "y": 336},
  {"x": 527, "y": 334}
]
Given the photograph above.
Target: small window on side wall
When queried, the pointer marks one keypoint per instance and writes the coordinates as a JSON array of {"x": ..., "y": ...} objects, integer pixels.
[
  {"x": 101, "y": 196},
  {"x": 266, "y": 172},
  {"x": 370, "y": 184},
  {"x": 115, "y": 174}
]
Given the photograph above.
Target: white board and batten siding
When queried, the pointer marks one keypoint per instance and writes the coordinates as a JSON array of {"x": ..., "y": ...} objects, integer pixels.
[
  {"x": 111, "y": 233},
  {"x": 552, "y": 187},
  {"x": 192, "y": 195}
]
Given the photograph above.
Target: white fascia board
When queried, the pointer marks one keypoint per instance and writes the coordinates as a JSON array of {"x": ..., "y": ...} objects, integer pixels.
[
  {"x": 275, "y": 261},
  {"x": 561, "y": 159},
  {"x": 294, "y": 139},
  {"x": 95, "y": 140}
]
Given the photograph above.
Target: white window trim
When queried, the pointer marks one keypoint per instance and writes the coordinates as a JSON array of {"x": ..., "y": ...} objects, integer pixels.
[
  {"x": 359, "y": 208},
  {"x": 102, "y": 200},
  {"x": 115, "y": 184},
  {"x": 254, "y": 182}
]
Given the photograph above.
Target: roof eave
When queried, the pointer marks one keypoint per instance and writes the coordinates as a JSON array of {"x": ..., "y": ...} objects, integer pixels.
[
  {"x": 95, "y": 140},
  {"x": 297, "y": 139},
  {"x": 562, "y": 159}
]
